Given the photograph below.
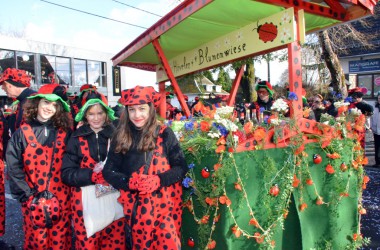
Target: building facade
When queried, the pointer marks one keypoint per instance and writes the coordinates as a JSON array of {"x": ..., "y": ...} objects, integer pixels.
[
  {"x": 67, "y": 65},
  {"x": 361, "y": 64}
]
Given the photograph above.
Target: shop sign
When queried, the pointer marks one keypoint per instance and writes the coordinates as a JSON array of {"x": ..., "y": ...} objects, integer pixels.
[
  {"x": 364, "y": 65},
  {"x": 265, "y": 34}
]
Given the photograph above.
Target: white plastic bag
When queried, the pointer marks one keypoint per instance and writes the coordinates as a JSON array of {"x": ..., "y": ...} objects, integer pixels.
[{"x": 100, "y": 212}]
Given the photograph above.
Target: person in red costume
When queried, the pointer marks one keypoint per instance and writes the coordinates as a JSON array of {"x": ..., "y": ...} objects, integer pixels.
[
  {"x": 262, "y": 107},
  {"x": 16, "y": 84},
  {"x": 171, "y": 111},
  {"x": 147, "y": 165},
  {"x": 87, "y": 148},
  {"x": 366, "y": 109},
  {"x": 34, "y": 160}
]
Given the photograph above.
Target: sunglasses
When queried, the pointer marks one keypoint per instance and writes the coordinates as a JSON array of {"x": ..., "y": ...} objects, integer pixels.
[{"x": 262, "y": 92}]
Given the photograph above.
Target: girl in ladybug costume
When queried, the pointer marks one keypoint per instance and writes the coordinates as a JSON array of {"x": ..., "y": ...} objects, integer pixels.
[
  {"x": 151, "y": 195},
  {"x": 34, "y": 161},
  {"x": 88, "y": 146}
]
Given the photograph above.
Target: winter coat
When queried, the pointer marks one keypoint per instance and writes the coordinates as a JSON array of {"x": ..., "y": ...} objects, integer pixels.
[
  {"x": 119, "y": 167},
  {"x": 72, "y": 174},
  {"x": 375, "y": 120},
  {"x": 156, "y": 219},
  {"x": 45, "y": 134},
  {"x": 266, "y": 106}
]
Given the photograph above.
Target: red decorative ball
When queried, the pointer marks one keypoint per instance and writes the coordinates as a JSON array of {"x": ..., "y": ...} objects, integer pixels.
[
  {"x": 343, "y": 167},
  {"x": 190, "y": 242},
  {"x": 317, "y": 158},
  {"x": 274, "y": 190},
  {"x": 205, "y": 173}
]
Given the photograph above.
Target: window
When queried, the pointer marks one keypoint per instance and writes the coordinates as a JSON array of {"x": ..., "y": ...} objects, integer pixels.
[
  {"x": 63, "y": 70},
  {"x": 376, "y": 86},
  {"x": 7, "y": 60},
  {"x": 93, "y": 69},
  {"x": 47, "y": 67},
  {"x": 365, "y": 81},
  {"x": 80, "y": 74},
  {"x": 25, "y": 61}
]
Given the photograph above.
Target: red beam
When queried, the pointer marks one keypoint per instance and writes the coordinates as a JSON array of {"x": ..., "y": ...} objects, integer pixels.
[
  {"x": 335, "y": 5},
  {"x": 162, "y": 107},
  {"x": 309, "y": 7},
  {"x": 177, "y": 15},
  {"x": 171, "y": 77},
  {"x": 142, "y": 66},
  {"x": 235, "y": 86}
]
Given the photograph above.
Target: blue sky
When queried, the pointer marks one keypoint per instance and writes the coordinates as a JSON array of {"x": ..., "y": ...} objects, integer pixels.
[
  {"x": 42, "y": 21},
  {"x": 50, "y": 23}
]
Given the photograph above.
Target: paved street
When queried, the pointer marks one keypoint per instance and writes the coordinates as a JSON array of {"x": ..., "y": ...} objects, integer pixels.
[{"x": 370, "y": 222}]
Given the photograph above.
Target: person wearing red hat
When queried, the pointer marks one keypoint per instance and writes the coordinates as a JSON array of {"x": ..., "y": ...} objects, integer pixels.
[
  {"x": 2, "y": 175},
  {"x": 358, "y": 102},
  {"x": 77, "y": 103},
  {"x": 262, "y": 107},
  {"x": 146, "y": 164},
  {"x": 86, "y": 94},
  {"x": 366, "y": 109},
  {"x": 16, "y": 83},
  {"x": 171, "y": 111},
  {"x": 34, "y": 160},
  {"x": 194, "y": 113}
]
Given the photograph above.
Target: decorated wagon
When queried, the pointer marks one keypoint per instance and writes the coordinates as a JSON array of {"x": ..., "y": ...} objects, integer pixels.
[{"x": 287, "y": 183}]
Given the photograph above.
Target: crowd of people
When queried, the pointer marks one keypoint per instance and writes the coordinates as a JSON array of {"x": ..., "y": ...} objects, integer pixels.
[{"x": 54, "y": 145}]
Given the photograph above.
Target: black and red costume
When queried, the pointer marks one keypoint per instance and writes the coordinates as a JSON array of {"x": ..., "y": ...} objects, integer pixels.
[
  {"x": 2, "y": 178},
  {"x": 156, "y": 220},
  {"x": 84, "y": 150},
  {"x": 265, "y": 107},
  {"x": 19, "y": 112},
  {"x": 29, "y": 161}
]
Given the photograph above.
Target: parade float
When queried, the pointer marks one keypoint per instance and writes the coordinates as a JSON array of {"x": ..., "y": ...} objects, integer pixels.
[{"x": 285, "y": 182}]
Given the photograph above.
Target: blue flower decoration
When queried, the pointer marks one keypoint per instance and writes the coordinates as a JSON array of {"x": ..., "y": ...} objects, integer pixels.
[
  {"x": 348, "y": 99},
  {"x": 189, "y": 126},
  {"x": 339, "y": 96},
  {"x": 292, "y": 96},
  {"x": 223, "y": 131},
  {"x": 262, "y": 109},
  {"x": 266, "y": 119},
  {"x": 191, "y": 166},
  {"x": 186, "y": 182}
]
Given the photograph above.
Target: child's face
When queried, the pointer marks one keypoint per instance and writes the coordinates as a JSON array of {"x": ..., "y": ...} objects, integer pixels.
[{"x": 46, "y": 110}]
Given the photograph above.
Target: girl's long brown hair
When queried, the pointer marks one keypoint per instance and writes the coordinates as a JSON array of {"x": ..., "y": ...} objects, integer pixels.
[
  {"x": 123, "y": 135},
  {"x": 61, "y": 118}
]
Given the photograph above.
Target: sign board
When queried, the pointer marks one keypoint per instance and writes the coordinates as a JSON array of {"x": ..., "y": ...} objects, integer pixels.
[
  {"x": 364, "y": 65},
  {"x": 116, "y": 81},
  {"x": 271, "y": 32}
]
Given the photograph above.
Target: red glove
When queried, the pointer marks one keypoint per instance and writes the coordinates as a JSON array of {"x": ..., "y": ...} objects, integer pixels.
[
  {"x": 97, "y": 178},
  {"x": 149, "y": 184},
  {"x": 134, "y": 181}
]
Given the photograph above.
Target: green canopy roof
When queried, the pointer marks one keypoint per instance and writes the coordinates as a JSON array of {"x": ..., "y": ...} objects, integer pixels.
[{"x": 195, "y": 22}]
